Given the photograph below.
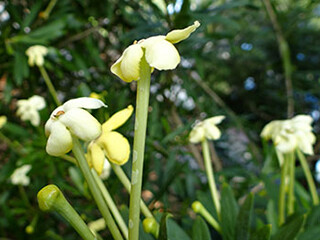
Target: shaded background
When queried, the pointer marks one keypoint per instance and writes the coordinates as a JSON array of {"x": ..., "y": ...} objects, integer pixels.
[{"x": 230, "y": 66}]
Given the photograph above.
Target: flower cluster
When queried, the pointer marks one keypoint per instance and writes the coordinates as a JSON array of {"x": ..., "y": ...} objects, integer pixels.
[
  {"x": 28, "y": 109},
  {"x": 206, "y": 129},
  {"x": 158, "y": 51},
  {"x": 36, "y": 55},
  {"x": 71, "y": 119},
  {"x": 19, "y": 176},
  {"x": 288, "y": 135}
]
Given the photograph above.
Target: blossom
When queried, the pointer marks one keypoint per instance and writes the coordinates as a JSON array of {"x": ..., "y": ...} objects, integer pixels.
[
  {"x": 110, "y": 144},
  {"x": 158, "y": 51},
  {"x": 288, "y": 135},
  {"x": 3, "y": 121},
  {"x": 71, "y": 119},
  {"x": 206, "y": 129},
  {"x": 28, "y": 109},
  {"x": 19, "y": 176},
  {"x": 36, "y": 55}
]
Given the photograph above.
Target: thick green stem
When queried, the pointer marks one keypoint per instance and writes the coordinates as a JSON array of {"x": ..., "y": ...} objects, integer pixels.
[
  {"x": 199, "y": 208},
  {"x": 143, "y": 90},
  {"x": 126, "y": 183},
  {"x": 307, "y": 173},
  {"x": 50, "y": 86},
  {"x": 83, "y": 165},
  {"x": 210, "y": 176},
  {"x": 291, "y": 174},
  {"x": 50, "y": 198},
  {"x": 112, "y": 206},
  {"x": 282, "y": 194}
]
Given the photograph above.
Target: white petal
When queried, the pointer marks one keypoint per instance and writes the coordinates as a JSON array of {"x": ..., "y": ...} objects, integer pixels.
[
  {"x": 197, "y": 134},
  {"x": 127, "y": 66},
  {"x": 214, "y": 120},
  {"x": 160, "y": 53},
  {"x": 81, "y": 123},
  {"x": 59, "y": 141},
  {"x": 176, "y": 36},
  {"x": 212, "y": 132},
  {"x": 37, "y": 102},
  {"x": 83, "y": 102}
]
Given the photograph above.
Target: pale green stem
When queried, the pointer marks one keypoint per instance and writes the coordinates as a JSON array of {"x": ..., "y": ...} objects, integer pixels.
[
  {"x": 282, "y": 193},
  {"x": 307, "y": 173},
  {"x": 143, "y": 90},
  {"x": 210, "y": 175},
  {"x": 126, "y": 183},
  {"x": 210, "y": 219},
  {"x": 112, "y": 206},
  {"x": 83, "y": 165},
  {"x": 24, "y": 195},
  {"x": 290, "y": 157},
  {"x": 69, "y": 159},
  {"x": 50, "y": 86},
  {"x": 49, "y": 8}
]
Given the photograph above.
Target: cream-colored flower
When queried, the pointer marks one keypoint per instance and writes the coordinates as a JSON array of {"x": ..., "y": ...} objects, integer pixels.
[
  {"x": 19, "y": 176},
  {"x": 28, "y": 109},
  {"x": 110, "y": 144},
  {"x": 287, "y": 135},
  {"x": 206, "y": 129},
  {"x": 3, "y": 121},
  {"x": 71, "y": 119},
  {"x": 97, "y": 225},
  {"x": 158, "y": 51},
  {"x": 36, "y": 55}
]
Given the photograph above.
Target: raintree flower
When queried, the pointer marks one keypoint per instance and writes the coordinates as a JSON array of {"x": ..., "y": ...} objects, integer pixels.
[
  {"x": 158, "y": 51},
  {"x": 28, "y": 109},
  {"x": 288, "y": 135},
  {"x": 3, "y": 121},
  {"x": 19, "y": 176},
  {"x": 206, "y": 129},
  {"x": 71, "y": 119},
  {"x": 36, "y": 55},
  {"x": 110, "y": 143}
]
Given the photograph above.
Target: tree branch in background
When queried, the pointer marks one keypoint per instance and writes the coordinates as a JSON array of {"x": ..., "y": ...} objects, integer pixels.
[{"x": 285, "y": 57}]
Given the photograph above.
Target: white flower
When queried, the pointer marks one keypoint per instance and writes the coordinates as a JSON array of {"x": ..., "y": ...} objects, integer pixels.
[
  {"x": 28, "y": 109},
  {"x": 36, "y": 55},
  {"x": 106, "y": 170},
  {"x": 3, "y": 121},
  {"x": 19, "y": 176},
  {"x": 287, "y": 135},
  {"x": 206, "y": 129},
  {"x": 70, "y": 119}
]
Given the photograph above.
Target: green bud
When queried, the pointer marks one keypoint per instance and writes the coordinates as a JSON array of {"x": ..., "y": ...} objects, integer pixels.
[
  {"x": 197, "y": 206},
  {"x": 150, "y": 225},
  {"x": 29, "y": 229},
  {"x": 48, "y": 196}
]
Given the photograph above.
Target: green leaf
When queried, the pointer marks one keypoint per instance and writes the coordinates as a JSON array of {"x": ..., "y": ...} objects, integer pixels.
[
  {"x": 163, "y": 226},
  {"x": 229, "y": 212},
  {"x": 200, "y": 230},
  {"x": 290, "y": 229},
  {"x": 20, "y": 67},
  {"x": 311, "y": 233},
  {"x": 244, "y": 219},
  {"x": 262, "y": 233},
  {"x": 175, "y": 232}
]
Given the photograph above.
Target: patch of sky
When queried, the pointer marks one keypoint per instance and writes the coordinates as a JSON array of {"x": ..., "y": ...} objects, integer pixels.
[
  {"x": 249, "y": 84},
  {"x": 246, "y": 46}
]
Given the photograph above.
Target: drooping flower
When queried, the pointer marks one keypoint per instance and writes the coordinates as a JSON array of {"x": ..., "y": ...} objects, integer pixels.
[
  {"x": 36, "y": 55},
  {"x": 206, "y": 129},
  {"x": 110, "y": 144},
  {"x": 71, "y": 119},
  {"x": 159, "y": 52},
  {"x": 288, "y": 135},
  {"x": 28, "y": 109},
  {"x": 3, "y": 121},
  {"x": 19, "y": 176}
]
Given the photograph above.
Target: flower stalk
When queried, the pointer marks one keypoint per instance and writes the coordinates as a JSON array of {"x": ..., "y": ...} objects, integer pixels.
[
  {"x": 49, "y": 84},
  {"x": 143, "y": 90},
  {"x": 50, "y": 198},
  {"x": 291, "y": 175},
  {"x": 79, "y": 154},
  {"x": 282, "y": 194},
  {"x": 197, "y": 207}
]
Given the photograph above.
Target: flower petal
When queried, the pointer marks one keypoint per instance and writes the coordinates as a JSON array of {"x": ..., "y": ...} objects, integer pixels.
[
  {"x": 176, "y": 36},
  {"x": 127, "y": 67},
  {"x": 97, "y": 157},
  {"x": 117, "y": 119},
  {"x": 214, "y": 120},
  {"x": 197, "y": 134},
  {"x": 211, "y": 131},
  {"x": 160, "y": 53},
  {"x": 81, "y": 123},
  {"x": 59, "y": 141},
  {"x": 83, "y": 102},
  {"x": 37, "y": 102},
  {"x": 116, "y": 147}
]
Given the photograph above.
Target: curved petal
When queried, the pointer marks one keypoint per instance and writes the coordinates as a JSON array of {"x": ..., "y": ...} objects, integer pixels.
[
  {"x": 197, "y": 134},
  {"x": 34, "y": 118},
  {"x": 116, "y": 147},
  {"x": 81, "y": 123},
  {"x": 37, "y": 102},
  {"x": 211, "y": 131},
  {"x": 160, "y": 53},
  {"x": 271, "y": 129},
  {"x": 59, "y": 141},
  {"x": 127, "y": 67},
  {"x": 97, "y": 157},
  {"x": 117, "y": 119},
  {"x": 83, "y": 102},
  {"x": 106, "y": 170},
  {"x": 214, "y": 120},
  {"x": 176, "y": 36}
]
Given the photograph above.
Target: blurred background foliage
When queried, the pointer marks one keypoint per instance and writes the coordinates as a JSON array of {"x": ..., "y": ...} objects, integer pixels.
[{"x": 230, "y": 66}]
